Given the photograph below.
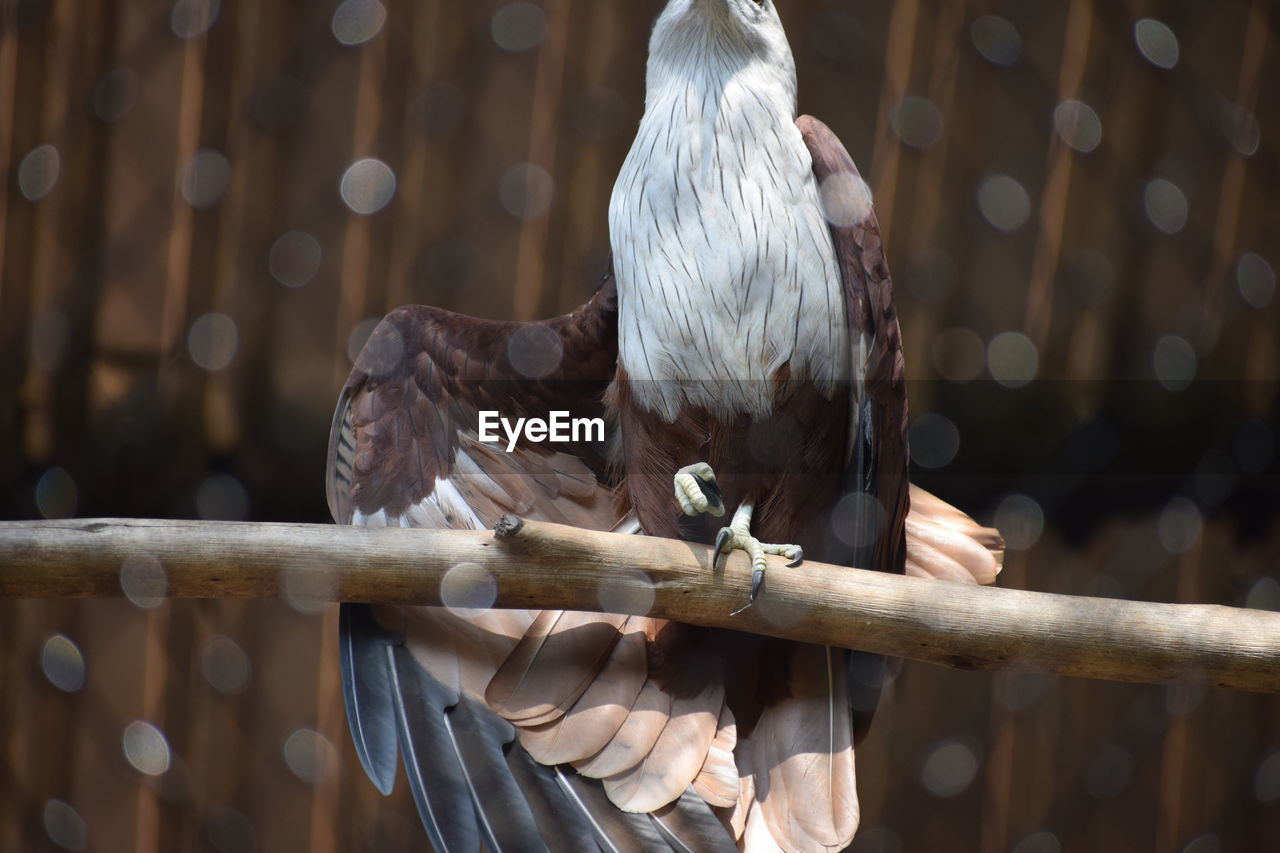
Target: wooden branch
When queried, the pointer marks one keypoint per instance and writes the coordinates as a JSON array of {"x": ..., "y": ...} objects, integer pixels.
[{"x": 537, "y": 565}]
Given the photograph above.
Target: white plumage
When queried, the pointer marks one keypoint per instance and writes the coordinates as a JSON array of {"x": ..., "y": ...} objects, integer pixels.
[{"x": 724, "y": 261}]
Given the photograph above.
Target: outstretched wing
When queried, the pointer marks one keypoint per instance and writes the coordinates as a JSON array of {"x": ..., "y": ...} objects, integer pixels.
[{"x": 492, "y": 710}]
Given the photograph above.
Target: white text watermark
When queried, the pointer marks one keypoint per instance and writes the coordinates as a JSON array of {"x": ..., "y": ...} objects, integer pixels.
[{"x": 557, "y": 427}]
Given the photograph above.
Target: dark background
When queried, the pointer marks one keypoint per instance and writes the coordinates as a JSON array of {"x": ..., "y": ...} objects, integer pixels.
[{"x": 1080, "y": 203}]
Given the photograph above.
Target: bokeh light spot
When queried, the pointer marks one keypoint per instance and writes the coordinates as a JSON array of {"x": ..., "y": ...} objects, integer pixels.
[
  {"x": 294, "y": 258},
  {"x": 935, "y": 441},
  {"x": 1078, "y": 125},
  {"x": 367, "y": 186},
  {"x": 1179, "y": 525},
  {"x": 225, "y": 665},
  {"x": 38, "y": 172},
  {"x": 64, "y": 825},
  {"x": 56, "y": 494},
  {"x": 1183, "y": 697},
  {"x": 1256, "y": 280},
  {"x": 535, "y": 351},
  {"x": 1020, "y": 520},
  {"x": 858, "y": 519},
  {"x": 1004, "y": 203},
  {"x": 1174, "y": 361},
  {"x": 917, "y": 122},
  {"x": 308, "y": 588},
  {"x": 358, "y": 21},
  {"x": 1266, "y": 782},
  {"x": 1207, "y": 843},
  {"x": 846, "y": 199},
  {"x": 146, "y": 748},
  {"x": 517, "y": 27},
  {"x": 526, "y": 191},
  {"x": 1041, "y": 841},
  {"x": 1012, "y": 359},
  {"x": 627, "y": 591},
  {"x": 213, "y": 341},
  {"x": 949, "y": 769},
  {"x": 193, "y": 18},
  {"x": 62, "y": 663},
  {"x": 1240, "y": 129},
  {"x": 1109, "y": 772},
  {"x": 468, "y": 590},
  {"x": 362, "y": 333},
  {"x": 310, "y": 756},
  {"x": 143, "y": 581},
  {"x": 996, "y": 39},
  {"x": 1166, "y": 205},
  {"x": 1264, "y": 594},
  {"x": 221, "y": 497},
  {"x": 879, "y": 839},
  {"x": 1156, "y": 42},
  {"x": 115, "y": 94},
  {"x": 205, "y": 178}
]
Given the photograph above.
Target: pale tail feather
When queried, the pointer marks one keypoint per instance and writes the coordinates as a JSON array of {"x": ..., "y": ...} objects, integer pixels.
[
  {"x": 944, "y": 543},
  {"x": 805, "y": 745}
]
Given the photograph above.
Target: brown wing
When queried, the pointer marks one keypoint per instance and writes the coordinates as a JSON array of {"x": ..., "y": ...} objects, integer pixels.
[
  {"x": 404, "y": 449},
  {"x": 918, "y": 533},
  {"x": 451, "y": 690},
  {"x": 877, "y": 463}
]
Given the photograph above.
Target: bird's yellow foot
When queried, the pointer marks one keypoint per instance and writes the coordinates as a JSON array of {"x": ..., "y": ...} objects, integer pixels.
[
  {"x": 697, "y": 490},
  {"x": 737, "y": 536}
]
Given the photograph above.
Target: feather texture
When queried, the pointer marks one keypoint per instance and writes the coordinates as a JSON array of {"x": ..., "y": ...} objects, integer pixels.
[
  {"x": 717, "y": 780},
  {"x": 367, "y": 693},
  {"x": 634, "y": 738},
  {"x": 802, "y": 750},
  {"x": 598, "y": 714},
  {"x": 676, "y": 757},
  {"x": 552, "y": 665}
]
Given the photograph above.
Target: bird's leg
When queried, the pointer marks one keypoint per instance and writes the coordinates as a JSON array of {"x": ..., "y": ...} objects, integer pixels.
[
  {"x": 698, "y": 492},
  {"x": 737, "y": 536}
]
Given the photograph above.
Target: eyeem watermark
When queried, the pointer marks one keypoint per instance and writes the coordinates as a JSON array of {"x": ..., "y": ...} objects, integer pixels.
[{"x": 557, "y": 427}]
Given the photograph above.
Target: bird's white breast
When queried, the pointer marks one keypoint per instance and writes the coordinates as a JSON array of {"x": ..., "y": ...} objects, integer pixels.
[{"x": 724, "y": 261}]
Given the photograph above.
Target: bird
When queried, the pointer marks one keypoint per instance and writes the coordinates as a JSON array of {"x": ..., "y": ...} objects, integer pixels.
[{"x": 744, "y": 352}]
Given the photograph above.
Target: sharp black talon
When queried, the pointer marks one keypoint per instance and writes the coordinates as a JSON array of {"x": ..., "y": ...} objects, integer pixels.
[
  {"x": 711, "y": 490},
  {"x": 799, "y": 558},
  {"x": 722, "y": 538}
]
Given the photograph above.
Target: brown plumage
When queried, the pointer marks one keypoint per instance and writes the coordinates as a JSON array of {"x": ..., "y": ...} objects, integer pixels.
[{"x": 732, "y": 740}]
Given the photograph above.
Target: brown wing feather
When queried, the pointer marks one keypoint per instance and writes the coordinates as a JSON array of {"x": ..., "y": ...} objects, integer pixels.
[
  {"x": 868, "y": 291},
  {"x": 676, "y": 757},
  {"x": 413, "y": 396},
  {"x": 598, "y": 714}
]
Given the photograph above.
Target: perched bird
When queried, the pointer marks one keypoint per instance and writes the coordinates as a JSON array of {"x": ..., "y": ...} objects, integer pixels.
[{"x": 745, "y": 353}]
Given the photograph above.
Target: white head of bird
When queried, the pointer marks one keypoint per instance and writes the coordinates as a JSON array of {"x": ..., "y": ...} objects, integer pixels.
[{"x": 723, "y": 39}]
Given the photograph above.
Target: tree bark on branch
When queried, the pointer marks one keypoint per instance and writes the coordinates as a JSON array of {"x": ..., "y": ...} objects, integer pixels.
[{"x": 539, "y": 565}]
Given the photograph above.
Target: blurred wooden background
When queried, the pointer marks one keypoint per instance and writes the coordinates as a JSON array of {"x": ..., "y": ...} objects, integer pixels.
[{"x": 204, "y": 204}]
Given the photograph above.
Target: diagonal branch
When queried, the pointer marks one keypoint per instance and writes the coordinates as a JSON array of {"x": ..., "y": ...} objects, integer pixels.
[{"x": 539, "y": 565}]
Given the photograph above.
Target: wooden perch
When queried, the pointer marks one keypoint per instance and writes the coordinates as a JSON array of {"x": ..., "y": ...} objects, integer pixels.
[{"x": 537, "y": 565}]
